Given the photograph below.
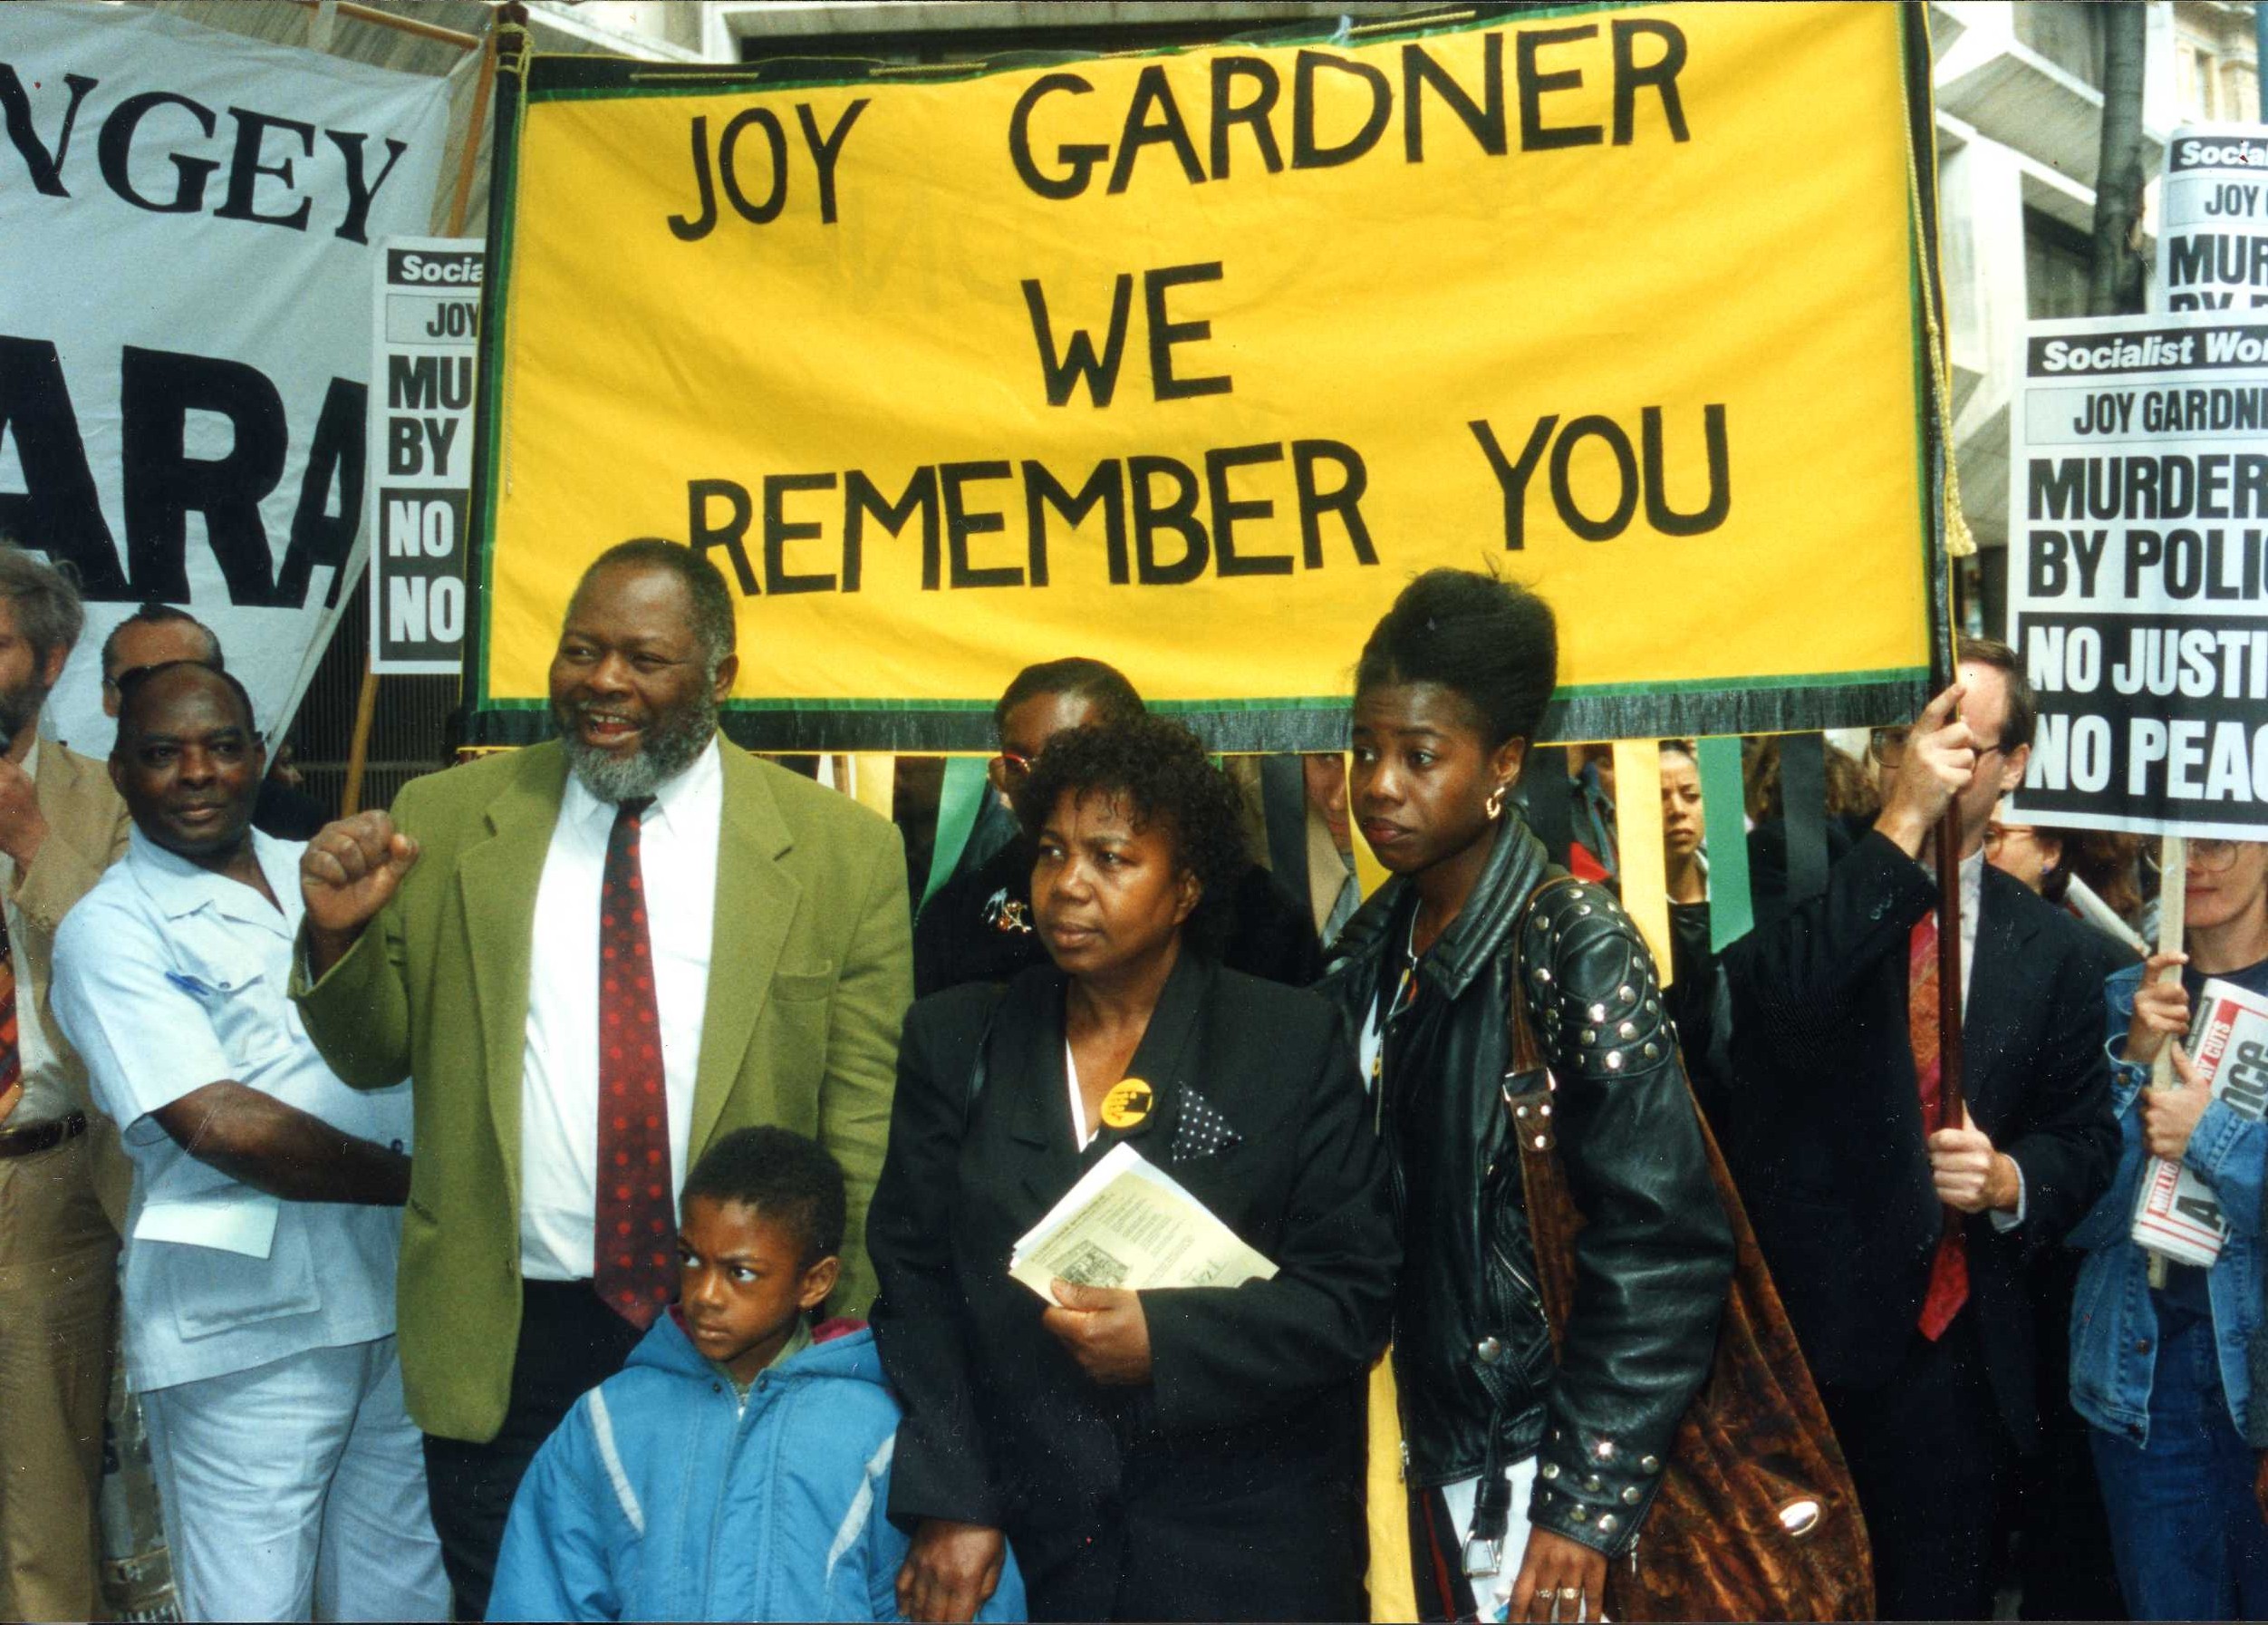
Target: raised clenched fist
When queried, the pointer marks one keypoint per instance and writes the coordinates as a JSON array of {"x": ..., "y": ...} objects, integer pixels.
[{"x": 349, "y": 872}]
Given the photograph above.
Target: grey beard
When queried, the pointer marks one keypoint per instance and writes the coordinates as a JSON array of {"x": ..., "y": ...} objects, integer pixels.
[{"x": 671, "y": 746}]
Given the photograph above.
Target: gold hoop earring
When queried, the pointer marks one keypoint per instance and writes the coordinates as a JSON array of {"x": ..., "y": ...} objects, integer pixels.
[{"x": 1496, "y": 802}]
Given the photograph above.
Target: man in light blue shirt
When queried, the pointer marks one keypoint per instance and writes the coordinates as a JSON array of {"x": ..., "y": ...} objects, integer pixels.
[{"x": 259, "y": 1267}]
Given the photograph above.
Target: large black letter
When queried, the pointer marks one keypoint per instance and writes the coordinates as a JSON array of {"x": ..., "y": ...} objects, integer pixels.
[
  {"x": 114, "y": 149},
  {"x": 1078, "y": 360},
  {"x": 1486, "y": 121},
  {"x": 1711, "y": 513},
  {"x": 1082, "y": 156},
  {"x": 779, "y": 530},
  {"x": 58, "y": 511},
  {"x": 45, "y": 168},
  {"x": 1226, "y": 71},
  {"x": 703, "y": 536},
  {"x": 1305, "y": 153},
  {"x": 1150, "y": 90},
  {"x": 862, "y": 496},
  {"x": 1662, "y": 76},
  {"x": 1164, "y": 333},
  {"x": 320, "y": 536},
  {"x": 1534, "y": 136},
  {"x": 1179, "y": 514},
  {"x": 246, "y": 169},
  {"x": 1345, "y": 502},
  {"x": 164, "y": 485}
]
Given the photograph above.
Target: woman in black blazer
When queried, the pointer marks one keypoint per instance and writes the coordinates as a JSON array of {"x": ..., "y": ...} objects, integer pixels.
[{"x": 1194, "y": 1452}]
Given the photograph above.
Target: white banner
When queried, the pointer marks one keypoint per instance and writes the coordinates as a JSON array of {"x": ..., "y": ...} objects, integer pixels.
[
  {"x": 424, "y": 322},
  {"x": 189, "y": 220}
]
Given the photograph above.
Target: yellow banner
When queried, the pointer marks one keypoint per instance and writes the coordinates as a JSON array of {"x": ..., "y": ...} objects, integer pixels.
[{"x": 1190, "y": 361}]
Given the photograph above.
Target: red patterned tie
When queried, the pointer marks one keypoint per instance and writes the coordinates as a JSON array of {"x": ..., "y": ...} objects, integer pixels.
[
  {"x": 1949, "y": 1269},
  {"x": 635, "y": 1256}
]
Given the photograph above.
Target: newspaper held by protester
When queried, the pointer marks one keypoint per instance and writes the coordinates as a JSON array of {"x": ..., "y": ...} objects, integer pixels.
[
  {"x": 1129, "y": 1223},
  {"x": 2177, "y": 1213}
]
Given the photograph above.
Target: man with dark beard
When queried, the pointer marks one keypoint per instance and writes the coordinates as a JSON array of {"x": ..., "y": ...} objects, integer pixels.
[
  {"x": 62, "y": 1180},
  {"x": 593, "y": 958}
]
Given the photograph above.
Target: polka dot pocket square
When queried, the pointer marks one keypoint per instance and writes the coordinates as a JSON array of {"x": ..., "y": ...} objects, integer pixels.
[{"x": 1202, "y": 1130}]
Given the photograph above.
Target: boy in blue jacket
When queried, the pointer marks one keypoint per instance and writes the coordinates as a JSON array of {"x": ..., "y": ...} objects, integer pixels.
[{"x": 738, "y": 1467}]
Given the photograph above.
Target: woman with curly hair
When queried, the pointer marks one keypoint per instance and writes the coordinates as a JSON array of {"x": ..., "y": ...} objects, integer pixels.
[
  {"x": 1529, "y": 1465},
  {"x": 1165, "y": 1454}
]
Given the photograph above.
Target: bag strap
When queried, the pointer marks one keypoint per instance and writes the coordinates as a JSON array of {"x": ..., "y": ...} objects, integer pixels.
[{"x": 1551, "y": 1224}]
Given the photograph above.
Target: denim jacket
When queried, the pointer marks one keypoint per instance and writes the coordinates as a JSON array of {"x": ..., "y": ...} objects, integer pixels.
[{"x": 2114, "y": 1322}]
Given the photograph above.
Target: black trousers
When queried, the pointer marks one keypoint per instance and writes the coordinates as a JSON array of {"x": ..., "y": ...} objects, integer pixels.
[
  {"x": 1931, "y": 1458},
  {"x": 570, "y": 1342}
]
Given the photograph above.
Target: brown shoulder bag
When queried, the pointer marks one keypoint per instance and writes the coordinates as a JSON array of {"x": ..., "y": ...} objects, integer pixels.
[{"x": 1757, "y": 1517}]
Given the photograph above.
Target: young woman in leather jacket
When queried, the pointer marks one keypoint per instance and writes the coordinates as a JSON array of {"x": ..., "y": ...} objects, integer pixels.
[{"x": 1449, "y": 690}]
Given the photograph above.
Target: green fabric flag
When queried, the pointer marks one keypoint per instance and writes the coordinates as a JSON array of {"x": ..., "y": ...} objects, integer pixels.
[
  {"x": 959, "y": 800},
  {"x": 1731, "y": 908}
]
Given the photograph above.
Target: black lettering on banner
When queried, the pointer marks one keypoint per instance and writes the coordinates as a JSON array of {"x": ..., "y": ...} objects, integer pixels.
[
  {"x": 1079, "y": 160},
  {"x": 361, "y": 193},
  {"x": 1609, "y": 433},
  {"x": 1535, "y": 135},
  {"x": 862, "y": 497},
  {"x": 44, "y": 167},
  {"x": 779, "y": 530},
  {"x": 1345, "y": 499},
  {"x": 1227, "y": 112},
  {"x": 1661, "y": 75},
  {"x": 704, "y": 535},
  {"x": 826, "y": 151},
  {"x": 1513, "y": 475},
  {"x": 1485, "y": 118},
  {"x": 692, "y": 229},
  {"x": 245, "y": 169},
  {"x": 728, "y": 169},
  {"x": 113, "y": 150},
  {"x": 1179, "y": 515},
  {"x": 1106, "y": 485},
  {"x": 59, "y": 505},
  {"x": 1227, "y": 511},
  {"x": 1141, "y": 130},
  {"x": 422, "y": 533},
  {"x": 960, "y": 525},
  {"x": 1164, "y": 333},
  {"x": 1711, "y": 513},
  {"x": 1306, "y": 153},
  {"x": 1077, "y": 360},
  {"x": 321, "y": 535},
  {"x": 164, "y": 485}
]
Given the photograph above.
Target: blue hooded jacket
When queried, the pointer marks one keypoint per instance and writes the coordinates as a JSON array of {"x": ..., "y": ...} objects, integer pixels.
[{"x": 661, "y": 1497}]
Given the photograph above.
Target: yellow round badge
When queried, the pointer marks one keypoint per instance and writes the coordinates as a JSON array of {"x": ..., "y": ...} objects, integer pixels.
[{"x": 1128, "y": 1102}]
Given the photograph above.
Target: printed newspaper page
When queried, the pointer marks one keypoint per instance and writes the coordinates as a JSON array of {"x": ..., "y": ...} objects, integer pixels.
[
  {"x": 2177, "y": 1213},
  {"x": 1129, "y": 1223}
]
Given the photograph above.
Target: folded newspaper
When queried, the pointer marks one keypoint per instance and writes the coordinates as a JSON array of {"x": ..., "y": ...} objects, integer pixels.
[
  {"x": 2176, "y": 1213},
  {"x": 1129, "y": 1223}
]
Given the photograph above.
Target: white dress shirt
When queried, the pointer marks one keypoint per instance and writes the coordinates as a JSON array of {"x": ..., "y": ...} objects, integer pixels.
[
  {"x": 1972, "y": 905},
  {"x": 559, "y": 1078}
]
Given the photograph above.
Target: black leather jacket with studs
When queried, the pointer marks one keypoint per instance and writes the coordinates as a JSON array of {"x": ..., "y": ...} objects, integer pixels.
[{"x": 1473, "y": 1358}]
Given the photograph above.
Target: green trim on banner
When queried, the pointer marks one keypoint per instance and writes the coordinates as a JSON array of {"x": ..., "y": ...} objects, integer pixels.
[
  {"x": 959, "y": 800},
  {"x": 1723, "y": 809}
]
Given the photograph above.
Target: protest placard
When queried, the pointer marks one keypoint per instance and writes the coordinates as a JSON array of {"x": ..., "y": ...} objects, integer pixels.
[
  {"x": 1188, "y": 362},
  {"x": 424, "y": 319},
  {"x": 2139, "y": 592},
  {"x": 190, "y": 219},
  {"x": 2213, "y": 220}
]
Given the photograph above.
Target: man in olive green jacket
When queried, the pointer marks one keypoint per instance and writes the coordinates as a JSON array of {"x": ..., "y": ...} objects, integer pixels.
[{"x": 479, "y": 974}]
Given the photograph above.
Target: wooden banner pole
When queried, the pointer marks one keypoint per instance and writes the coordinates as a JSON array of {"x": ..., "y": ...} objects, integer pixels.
[{"x": 2173, "y": 906}]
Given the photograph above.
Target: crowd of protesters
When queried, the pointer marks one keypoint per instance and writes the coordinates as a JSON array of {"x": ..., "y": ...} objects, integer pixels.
[{"x": 548, "y": 1199}]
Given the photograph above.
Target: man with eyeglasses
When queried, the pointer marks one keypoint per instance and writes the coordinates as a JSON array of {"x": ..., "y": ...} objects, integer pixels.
[
  {"x": 979, "y": 926},
  {"x": 1921, "y": 1333}
]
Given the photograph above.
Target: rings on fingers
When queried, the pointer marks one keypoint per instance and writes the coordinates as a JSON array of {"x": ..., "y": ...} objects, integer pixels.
[{"x": 1571, "y": 1593}]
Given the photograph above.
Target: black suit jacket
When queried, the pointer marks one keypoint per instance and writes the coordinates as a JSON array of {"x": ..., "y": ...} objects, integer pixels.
[
  {"x": 1231, "y": 1486},
  {"x": 1828, "y": 1145}
]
